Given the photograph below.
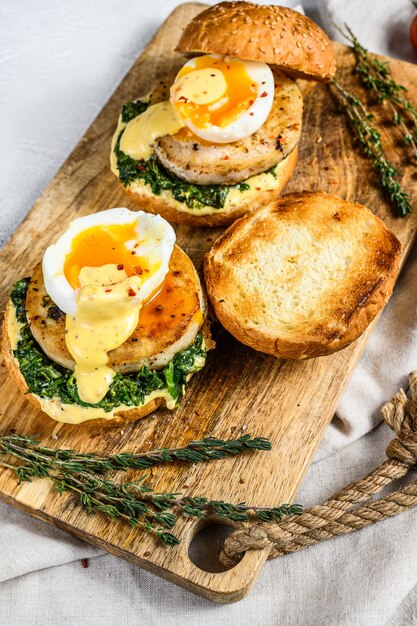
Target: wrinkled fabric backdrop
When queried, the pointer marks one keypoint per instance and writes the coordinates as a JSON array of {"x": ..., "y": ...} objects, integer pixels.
[{"x": 59, "y": 62}]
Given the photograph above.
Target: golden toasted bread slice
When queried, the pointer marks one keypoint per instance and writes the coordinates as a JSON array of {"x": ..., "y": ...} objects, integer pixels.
[
  {"x": 270, "y": 34},
  {"x": 167, "y": 324},
  {"x": 302, "y": 277}
]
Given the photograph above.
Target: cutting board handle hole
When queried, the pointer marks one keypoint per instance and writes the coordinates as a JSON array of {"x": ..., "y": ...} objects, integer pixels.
[{"x": 207, "y": 543}]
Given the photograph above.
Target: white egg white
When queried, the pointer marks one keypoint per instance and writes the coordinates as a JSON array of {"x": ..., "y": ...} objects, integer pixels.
[
  {"x": 252, "y": 119},
  {"x": 155, "y": 242}
]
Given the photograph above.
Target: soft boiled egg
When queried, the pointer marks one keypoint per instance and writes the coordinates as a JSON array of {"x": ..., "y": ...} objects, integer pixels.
[
  {"x": 138, "y": 241},
  {"x": 100, "y": 272},
  {"x": 223, "y": 99}
]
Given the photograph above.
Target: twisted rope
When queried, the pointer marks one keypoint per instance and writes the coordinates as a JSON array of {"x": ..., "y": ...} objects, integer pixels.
[{"x": 339, "y": 515}]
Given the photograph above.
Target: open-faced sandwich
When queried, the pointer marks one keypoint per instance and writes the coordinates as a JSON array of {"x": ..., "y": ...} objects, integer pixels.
[
  {"x": 110, "y": 325},
  {"x": 302, "y": 277},
  {"x": 219, "y": 138}
]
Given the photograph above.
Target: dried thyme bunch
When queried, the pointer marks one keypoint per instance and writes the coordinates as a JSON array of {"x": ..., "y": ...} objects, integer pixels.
[
  {"x": 376, "y": 77},
  {"x": 369, "y": 139},
  {"x": 136, "y": 502}
]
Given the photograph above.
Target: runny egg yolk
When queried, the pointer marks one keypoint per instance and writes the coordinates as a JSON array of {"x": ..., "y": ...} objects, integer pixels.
[
  {"x": 107, "y": 275},
  {"x": 213, "y": 91},
  {"x": 103, "y": 245}
]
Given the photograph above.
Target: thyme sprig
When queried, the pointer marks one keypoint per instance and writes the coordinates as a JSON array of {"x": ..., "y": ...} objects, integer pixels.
[
  {"x": 210, "y": 448},
  {"x": 369, "y": 139},
  {"x": 135, "y": 502},
  {"x": 376, "y": 77}
]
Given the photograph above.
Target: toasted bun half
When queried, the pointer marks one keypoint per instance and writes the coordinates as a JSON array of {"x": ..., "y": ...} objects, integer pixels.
[
  {"x": 176, "y": 213},
  {"x": 266, "y": 33},
  {"x": 120, "y": 419},
  {"x": 302, "y": 277}
]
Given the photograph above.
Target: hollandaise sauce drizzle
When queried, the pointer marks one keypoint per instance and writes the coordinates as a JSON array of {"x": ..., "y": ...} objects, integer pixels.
[
  {"x": 106, "y": 317},
  {"x": 108, "y": 277},
  {"x": 141, "y": 132}
]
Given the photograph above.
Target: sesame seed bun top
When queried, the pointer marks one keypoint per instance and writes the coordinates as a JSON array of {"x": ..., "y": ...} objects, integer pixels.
[{"x": 269, "y": 34}]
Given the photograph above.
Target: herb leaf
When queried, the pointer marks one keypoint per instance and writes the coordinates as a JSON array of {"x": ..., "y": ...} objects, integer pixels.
[{"x": 131, "y": 110}]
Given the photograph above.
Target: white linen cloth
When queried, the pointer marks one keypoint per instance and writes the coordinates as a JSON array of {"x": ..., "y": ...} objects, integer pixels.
[{"x": 58, "y": 64}]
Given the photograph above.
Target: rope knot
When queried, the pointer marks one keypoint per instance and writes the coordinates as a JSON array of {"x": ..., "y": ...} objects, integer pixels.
[
  {"x": 400, "y": 413},
  {"x": 404, "y": 450},
  {"x": 241, "y": 540}
]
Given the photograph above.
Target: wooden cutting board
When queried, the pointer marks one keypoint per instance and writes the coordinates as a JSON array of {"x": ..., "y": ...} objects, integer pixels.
[{"x": 239, "y": 390}]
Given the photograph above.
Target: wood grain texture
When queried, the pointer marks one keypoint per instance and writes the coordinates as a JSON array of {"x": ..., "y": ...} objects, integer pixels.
[{"x": 240, "y": 390}]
